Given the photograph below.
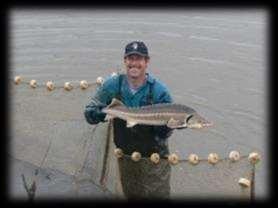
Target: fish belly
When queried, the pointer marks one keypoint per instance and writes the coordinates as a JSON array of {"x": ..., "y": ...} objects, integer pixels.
[{"x": 132, "y": 122}]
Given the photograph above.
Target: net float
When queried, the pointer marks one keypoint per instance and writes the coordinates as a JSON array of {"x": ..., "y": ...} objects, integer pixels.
[
  {"x": 254, "y": 157},
  {"x": 234, "y": 156},
  {"x": 100, "y": 81},
  {"x": 193, "y": 159},
  {"x": 118, "y": 152},
  {"x": 68, "y": 86},
  {"x": 50, "y": 85},
  {"x": 33, "y": 83},
  {"x": 173, "y": 159},
  {"x": 155, "y": 158},
  {"x": 136, "y": 156},
  {"x": 17, "y": 79},
  {"x": 213, "y": 158},
  {"x": 84, "y": 84},
  {"x": 244, "y": 182}
]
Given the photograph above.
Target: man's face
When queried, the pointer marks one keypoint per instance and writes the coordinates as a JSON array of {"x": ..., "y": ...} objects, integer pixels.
[{"x": 136, "y": 65}]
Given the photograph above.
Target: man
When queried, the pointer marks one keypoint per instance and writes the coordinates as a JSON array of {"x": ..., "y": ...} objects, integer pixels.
[{"x": 136, "y": 88}]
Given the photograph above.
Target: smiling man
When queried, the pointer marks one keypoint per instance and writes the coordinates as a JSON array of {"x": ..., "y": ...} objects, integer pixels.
[{"x": 136, "y": 88}]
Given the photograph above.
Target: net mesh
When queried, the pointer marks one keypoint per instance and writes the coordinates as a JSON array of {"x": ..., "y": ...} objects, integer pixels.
[{"x": 74, "y": 159}]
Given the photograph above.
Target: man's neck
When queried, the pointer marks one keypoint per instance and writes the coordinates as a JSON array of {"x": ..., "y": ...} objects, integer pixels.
[{"x": 136, "y": 83}]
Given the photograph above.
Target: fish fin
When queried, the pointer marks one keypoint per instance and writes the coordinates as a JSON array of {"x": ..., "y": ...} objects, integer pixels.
[
  {"x": 115, "y": 102},
  {"x": 108, "y": 117},
  {"x": 130, "y": 124},
  {"x": 176, "y": 124}
]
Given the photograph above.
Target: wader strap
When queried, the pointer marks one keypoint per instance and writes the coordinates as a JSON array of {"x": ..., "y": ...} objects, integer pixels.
[
  {"x": 150, "y": 95},
  {"x": 119, "y": 95}
]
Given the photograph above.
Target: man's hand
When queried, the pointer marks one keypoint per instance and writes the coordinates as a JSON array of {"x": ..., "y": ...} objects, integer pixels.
[{"x": 163, "y": 132}]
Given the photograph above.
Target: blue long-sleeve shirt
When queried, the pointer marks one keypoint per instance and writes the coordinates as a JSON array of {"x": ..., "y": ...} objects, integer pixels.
[{"x": 110, "y": 88}]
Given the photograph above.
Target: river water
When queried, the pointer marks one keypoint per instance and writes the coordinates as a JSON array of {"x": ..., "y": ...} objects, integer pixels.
[{"x": 212, "y": 60}]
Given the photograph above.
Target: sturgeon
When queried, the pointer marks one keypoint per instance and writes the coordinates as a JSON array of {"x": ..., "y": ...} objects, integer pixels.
[{"x": 175, "y": 116}]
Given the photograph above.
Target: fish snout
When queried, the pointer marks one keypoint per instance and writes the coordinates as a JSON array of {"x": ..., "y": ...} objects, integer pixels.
[
  {"x": 207, "y": 124},
  {"x": 199, "y": 124}
]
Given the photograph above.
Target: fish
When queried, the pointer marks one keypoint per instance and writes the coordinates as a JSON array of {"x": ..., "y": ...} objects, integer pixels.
[{"x": 174, "y": 116}]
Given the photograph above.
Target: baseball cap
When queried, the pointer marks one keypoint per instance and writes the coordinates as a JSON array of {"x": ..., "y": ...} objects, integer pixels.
[{"x": 136, "y": 47}]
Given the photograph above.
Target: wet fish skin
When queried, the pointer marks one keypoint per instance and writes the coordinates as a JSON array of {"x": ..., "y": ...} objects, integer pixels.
[{"x": 175, "y": 116}]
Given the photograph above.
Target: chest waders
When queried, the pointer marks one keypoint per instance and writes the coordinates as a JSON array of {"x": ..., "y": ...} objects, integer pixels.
[{"x": 141, "y": 179}]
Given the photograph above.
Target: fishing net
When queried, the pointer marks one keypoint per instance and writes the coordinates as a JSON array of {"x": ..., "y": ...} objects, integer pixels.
[{"x": 53, "y": 145}]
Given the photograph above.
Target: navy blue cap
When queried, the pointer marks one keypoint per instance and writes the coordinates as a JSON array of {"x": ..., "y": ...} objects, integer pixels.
[{"x": 136, "y": 47}]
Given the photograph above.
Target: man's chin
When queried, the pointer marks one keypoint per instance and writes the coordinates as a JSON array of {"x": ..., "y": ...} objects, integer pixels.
[{"x": 133, "y": 76}]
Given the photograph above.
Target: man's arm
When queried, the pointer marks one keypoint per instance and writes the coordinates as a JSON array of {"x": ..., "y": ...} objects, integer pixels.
[{"x": 100, "y": 100}]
